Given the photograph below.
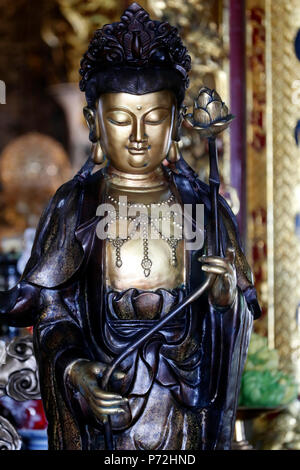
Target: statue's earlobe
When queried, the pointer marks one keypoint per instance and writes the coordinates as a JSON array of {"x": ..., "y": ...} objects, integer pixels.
[
  {"x": 93, "y": 125},
  {"x": 174, "y": 153},
  {"x": 91, "y": 120},
  {"x": 179, "y": 116}
]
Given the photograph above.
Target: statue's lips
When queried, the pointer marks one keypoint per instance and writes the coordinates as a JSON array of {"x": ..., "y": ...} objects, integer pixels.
[{"x": 137, "y": 151}]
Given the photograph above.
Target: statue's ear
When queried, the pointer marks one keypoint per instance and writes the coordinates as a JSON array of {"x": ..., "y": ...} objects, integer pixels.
[
  {"x": 179, "y": 115},
  {"x": 91, "y": 118}
]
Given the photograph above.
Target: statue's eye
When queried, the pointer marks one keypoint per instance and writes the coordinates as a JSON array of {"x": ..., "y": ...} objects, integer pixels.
[
  {"x": 157, "y": 116},
  {"x": 119, "y": 118}
]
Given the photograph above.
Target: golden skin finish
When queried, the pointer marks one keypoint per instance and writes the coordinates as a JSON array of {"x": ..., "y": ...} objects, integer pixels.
[
  {"x": 135, "y": 132},
  {"x": 130, "y": 274}
]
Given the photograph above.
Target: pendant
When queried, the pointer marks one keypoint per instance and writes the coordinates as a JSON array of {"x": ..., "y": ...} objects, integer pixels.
[
  {"x": 146, "y": 265},
  {"x": 146, "y": 261},
  {"x": 173, "y": 242},
  {"x": 118, "y": 243}
]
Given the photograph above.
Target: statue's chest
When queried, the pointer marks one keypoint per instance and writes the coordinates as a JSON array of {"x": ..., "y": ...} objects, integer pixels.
[{"x": 145, "y": 258}]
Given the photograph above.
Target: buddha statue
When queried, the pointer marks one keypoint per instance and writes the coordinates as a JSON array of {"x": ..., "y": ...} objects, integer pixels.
[{"x": 104, "y": 269}]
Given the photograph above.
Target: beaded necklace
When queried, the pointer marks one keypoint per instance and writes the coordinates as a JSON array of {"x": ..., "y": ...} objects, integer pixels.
[{"x": 142, "y": 221}]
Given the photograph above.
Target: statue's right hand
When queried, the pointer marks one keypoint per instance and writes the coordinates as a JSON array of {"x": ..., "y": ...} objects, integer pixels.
[{"x": 84, "y": 376}]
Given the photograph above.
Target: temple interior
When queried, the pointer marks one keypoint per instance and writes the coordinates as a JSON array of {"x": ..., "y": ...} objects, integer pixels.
[{"x": 247, "y": 50}]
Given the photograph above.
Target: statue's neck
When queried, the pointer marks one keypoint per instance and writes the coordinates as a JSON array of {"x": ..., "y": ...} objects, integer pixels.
[{"x": 153, "y": 181}]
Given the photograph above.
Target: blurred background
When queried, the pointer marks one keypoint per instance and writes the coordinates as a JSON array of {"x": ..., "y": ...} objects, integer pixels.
[{"x": 249, "y": 50}]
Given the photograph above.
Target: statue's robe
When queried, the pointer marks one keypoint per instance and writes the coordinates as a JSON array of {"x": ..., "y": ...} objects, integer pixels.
[{"x": 193, "y": 377}]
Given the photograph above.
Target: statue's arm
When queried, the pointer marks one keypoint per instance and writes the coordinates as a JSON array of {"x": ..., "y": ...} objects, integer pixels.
[
  {"x": 58, "y": 342},
  {"x": 61, "y": 347},
  {"x": 20, "y": 306}
]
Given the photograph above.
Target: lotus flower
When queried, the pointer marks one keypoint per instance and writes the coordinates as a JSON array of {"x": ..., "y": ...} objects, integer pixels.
[{"x": 210, "y": 115}]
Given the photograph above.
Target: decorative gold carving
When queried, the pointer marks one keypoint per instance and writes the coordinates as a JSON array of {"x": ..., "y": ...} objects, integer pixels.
[
  {"x": 284, "y": 20},
  {"x": 75, "y": 22},
  {"x": 277, "y": 170},
  {"x": 200, "y": 23},
  {"x": 273, "y": 155},
  {"x": 256, "y": 154}
]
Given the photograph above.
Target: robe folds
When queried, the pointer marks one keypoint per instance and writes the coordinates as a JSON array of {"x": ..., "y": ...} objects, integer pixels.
[{"x": 183, "y": 384}]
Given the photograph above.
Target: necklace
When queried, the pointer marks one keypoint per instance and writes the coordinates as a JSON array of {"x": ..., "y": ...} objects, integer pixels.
[
  {"x": 134, "y": 204},
  {"x": 142, "y": 222}
]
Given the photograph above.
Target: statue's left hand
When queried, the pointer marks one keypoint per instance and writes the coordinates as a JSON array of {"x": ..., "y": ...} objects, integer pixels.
[{"x": 224, "y": 289}]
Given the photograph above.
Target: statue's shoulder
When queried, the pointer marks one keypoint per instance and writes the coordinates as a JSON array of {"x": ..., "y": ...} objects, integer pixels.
[
  {"x": 86, "y": 183},
  {"x": 70, "y": 195},
  {"x": 55, "y": 242}
]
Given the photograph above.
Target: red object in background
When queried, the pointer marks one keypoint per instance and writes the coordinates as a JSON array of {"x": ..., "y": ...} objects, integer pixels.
[
  {"x": 24, "y": 415},
  {"x": 34, "y": 416}
]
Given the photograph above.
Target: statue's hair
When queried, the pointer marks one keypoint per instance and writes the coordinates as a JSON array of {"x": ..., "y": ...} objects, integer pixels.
[{"x": 136, "y": 55}]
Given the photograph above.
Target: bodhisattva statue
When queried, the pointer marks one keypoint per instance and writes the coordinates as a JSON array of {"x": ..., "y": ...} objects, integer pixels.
[{"x": 90, "y": 296}]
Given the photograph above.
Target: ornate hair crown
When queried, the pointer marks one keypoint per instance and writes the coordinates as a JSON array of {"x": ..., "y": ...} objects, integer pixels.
[{"x": 135, "y": 41}]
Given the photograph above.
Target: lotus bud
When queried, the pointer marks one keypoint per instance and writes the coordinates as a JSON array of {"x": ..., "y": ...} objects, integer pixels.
[
  {"x": 210, "y": 114},
  {"x": 209, "y": 108}
]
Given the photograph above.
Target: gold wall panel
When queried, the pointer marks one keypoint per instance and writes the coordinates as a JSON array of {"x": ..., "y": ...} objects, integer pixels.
[
  {"x": 256, "y": 154},
  {"x": 273, "y": 171},
  {"x": 283, "y": 68}
]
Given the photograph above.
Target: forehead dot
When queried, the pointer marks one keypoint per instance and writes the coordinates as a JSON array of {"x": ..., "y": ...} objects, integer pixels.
[{"x": 139, "y": 107}]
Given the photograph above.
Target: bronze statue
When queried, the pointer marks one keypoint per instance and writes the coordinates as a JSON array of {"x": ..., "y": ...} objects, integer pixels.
[{"x": 91, "y": 296}]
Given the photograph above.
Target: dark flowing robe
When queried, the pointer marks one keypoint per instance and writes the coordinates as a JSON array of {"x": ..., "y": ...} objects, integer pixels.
[{"x": 199, "y": 365}]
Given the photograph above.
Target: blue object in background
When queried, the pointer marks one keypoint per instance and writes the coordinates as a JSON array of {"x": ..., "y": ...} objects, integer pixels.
[
  {"x": 34, "y": 439},
  {"x": 297, "y": 132},
  {"x": 297, "y": 45},
  {"x": 297, "y": 52},
  {"x": 297, "y": 224}
]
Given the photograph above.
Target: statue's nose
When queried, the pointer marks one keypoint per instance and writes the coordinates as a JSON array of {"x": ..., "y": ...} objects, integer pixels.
[{"x": 138, "y": 134}]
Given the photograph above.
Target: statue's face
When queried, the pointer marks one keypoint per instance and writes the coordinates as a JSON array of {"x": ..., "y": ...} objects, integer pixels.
[{"x": 136, "y": 130}]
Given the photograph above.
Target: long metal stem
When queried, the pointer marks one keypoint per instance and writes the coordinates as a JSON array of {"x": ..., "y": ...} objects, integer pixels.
[{"x": 214, "y": 183}]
